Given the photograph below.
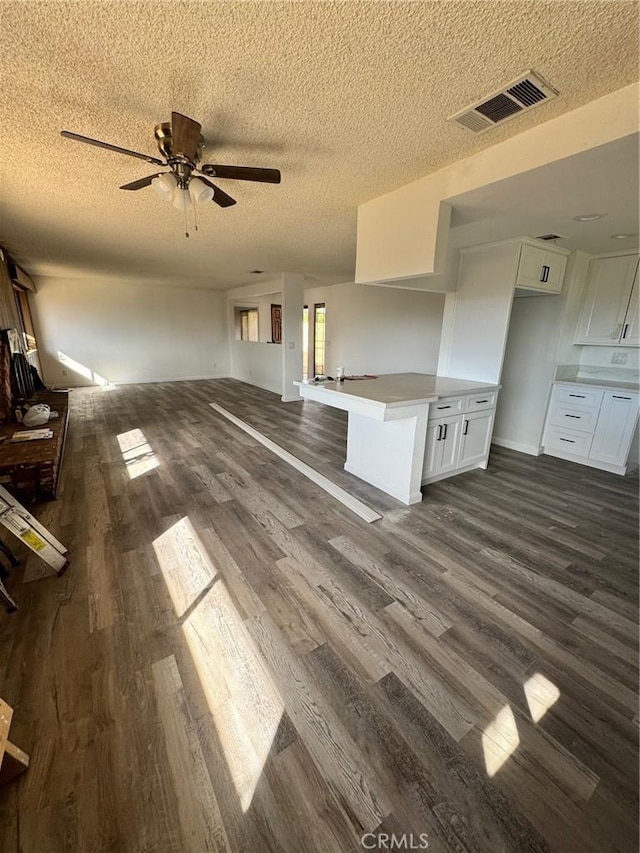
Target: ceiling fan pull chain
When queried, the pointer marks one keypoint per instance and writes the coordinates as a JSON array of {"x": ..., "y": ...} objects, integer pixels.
[{"x": 186, "y": 226}]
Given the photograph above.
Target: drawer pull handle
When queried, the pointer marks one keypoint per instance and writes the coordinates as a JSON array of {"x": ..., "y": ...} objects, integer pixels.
[
  {"x": 579, "y": 417},
  {"x": 444, "y": 433},
  {"x": 444, "y": 407},
  {"x": 481, "y": 401},
  {"x": 616, "y": 397},
  {"x": 568, "y": 440},
  {"x": 545, "y": 273},
  {"x": 466, "y": 428},
  {"x": 439, "y": 432},
  {"x": 577, "y": 395},
  {"x": 626, "y": 329}
]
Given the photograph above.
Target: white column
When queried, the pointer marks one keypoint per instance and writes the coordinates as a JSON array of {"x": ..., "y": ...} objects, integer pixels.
[{"x": 292, "y": 305}]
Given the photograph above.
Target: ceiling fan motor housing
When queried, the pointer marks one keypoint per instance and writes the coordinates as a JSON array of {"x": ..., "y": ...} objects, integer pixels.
[{"x": 164, "y": 139}]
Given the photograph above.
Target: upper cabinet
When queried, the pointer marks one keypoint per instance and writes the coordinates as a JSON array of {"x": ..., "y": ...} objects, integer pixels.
[
  {"x": 541, "y": 268},
  {"x": 609, "y": 312}
]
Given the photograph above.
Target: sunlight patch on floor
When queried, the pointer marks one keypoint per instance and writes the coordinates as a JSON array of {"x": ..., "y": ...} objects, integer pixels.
[
  {"x": 499, "y": 740},
  {"x": 137, "y": 453},
  {"x": 541, "y": 694},
  {"x": 185, "y": 565},
  {"x": 244, "y": 703}
]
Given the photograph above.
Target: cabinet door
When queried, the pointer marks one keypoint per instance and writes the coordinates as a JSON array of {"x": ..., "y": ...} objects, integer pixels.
[
  {"x": 606, "y": 298},
  {"x": 540, "y": 269},
  {"x": 451, "y": 431},
  {"x": 475, "y": 440},
  {"x": 442, "y": 447},
  {"x": 433, "y": 449},
  {"x": 630, "y": 331},
  {"x": 617, "y": 421}
]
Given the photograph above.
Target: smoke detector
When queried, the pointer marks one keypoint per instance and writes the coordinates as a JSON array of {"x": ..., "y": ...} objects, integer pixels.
[{"x": 522, "y": 94}]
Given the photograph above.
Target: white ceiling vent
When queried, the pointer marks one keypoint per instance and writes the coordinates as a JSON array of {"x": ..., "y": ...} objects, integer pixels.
[{"x": 521, "y": 94}]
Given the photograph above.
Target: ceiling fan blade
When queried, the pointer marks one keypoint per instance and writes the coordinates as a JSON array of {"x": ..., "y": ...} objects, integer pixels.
[
  {"x": 219, "y": 196},
  {"x": 141, "y": 182},
  {"x": 68, "y": 135},
  {"x": 242, "y": 173},
  {"x": 185, "y": 136}
]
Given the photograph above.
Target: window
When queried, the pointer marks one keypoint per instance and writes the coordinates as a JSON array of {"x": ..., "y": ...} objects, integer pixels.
[
  {"x": 305, "y": 342},
  {"x": 24, "y": 313},
  {"x": 319, "y": 341},
  {"x": 247, "y": 324}
]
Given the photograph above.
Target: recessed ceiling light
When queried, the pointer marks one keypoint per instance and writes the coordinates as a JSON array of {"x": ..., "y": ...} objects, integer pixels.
[
  {"x": 622, "y": 236},
  {"x": 589, "y": 217}
]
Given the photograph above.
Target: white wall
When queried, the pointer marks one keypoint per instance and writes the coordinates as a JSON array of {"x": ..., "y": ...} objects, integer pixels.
[
  {"x": 257, "y": 363},
  {"x": 400, "y": 233},
  {"x": 128, "y": 331},
  {"x": 378, "y": 329},
  {"x": 529, "y": 367}
]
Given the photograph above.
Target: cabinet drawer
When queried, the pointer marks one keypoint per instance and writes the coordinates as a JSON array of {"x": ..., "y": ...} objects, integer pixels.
[
  {"x": 577, "y": 396},
  {"x": 446, "y": 406},
  {"x": 569, "y": 441},
  {"x": 574, "y": 417},
  {"x": 478, "y": 402}
]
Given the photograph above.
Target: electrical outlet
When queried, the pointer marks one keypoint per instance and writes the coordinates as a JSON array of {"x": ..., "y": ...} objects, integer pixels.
[
  {"x": 619, "y": 358},
  {"x": 64, "y": 372},
  {"x": 292, "y": 345},
  {"x": 214, "y": 364}
]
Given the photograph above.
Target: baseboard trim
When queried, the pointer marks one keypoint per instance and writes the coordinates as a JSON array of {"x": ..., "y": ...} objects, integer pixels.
[
  {"x": 405, "y": 498},
  {"x": 154, "y": 381},
  {"x": 531, "y": 449},
  {"x": 620, "y": 470}
]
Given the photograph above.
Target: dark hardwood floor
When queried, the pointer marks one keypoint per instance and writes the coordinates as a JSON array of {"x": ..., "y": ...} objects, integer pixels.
[{"x": 235, "y": 662}]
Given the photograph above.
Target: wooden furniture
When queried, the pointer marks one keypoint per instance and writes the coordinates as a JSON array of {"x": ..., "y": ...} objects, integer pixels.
[
  {"x": 388, "y": 424},
  {"x": 590, "y": 424},
  {"x": 609, "y": 312},
  {"x": 13, "y": 760},
  {"x": 30, "y": 469}
]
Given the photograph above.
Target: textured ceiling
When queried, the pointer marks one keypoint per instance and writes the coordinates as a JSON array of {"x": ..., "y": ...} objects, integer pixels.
[{"x": 348, "y": 100}]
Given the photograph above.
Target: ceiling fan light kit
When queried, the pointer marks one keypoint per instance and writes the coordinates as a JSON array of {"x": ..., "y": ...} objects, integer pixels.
[{"x": 181, "y": 143}]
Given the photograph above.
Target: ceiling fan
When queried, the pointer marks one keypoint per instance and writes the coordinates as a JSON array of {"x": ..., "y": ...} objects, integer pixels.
[{"x": 181, "y": 144}]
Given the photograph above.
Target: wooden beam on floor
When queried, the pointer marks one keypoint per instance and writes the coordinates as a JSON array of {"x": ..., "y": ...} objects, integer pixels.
[{"x": 310, "y": 473}]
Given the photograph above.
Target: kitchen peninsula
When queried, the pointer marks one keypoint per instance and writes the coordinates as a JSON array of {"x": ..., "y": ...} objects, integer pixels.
[{"x": 409, "y": 429}]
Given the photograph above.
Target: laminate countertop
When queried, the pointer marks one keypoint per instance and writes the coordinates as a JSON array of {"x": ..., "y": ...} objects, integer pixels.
[{"x": 399, "y": 389}]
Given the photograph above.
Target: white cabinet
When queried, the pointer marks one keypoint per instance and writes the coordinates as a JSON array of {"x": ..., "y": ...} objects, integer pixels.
[
  {"x": 458, "y": 435},
  {"x": 541, "y": 268},
  {"x": 475, "y": 440},
  {"x": 609, "y": 311},
  {"x": 616, "y": 423},
  {"x": 443, "y": 446},
  {"x": 591, "y": 426}
]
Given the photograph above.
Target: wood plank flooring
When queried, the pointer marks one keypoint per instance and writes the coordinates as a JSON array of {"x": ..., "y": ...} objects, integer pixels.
[{"x": 234, "y": 662}]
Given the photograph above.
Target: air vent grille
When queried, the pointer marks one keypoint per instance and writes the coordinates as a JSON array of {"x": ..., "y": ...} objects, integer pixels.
[
  {"x": 499, "y": 108},
  {"x": 521, "y": 94},
  {"x": 549, "y": 237},
  {"x": 527, "y": 93}
]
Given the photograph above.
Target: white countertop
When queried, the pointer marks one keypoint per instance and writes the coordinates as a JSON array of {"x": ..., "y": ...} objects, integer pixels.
[
  {"x": 597, "y": 376},
  {"x": 398, "y": 389}
]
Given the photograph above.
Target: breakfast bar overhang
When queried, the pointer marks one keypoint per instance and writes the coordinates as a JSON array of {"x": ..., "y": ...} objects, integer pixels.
[{"x": 387, "y": 426}]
